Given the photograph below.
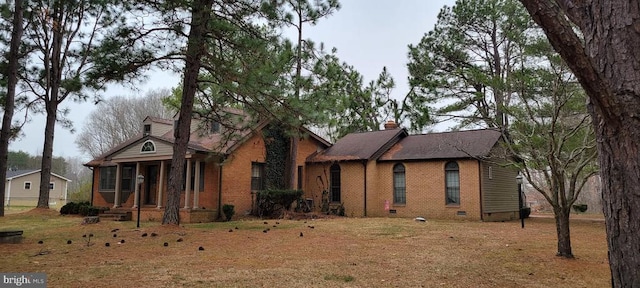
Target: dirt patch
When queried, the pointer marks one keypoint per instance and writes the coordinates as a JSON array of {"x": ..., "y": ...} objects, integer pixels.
[
  {"x": 40, "y": 212},
  {"x": 323, "y": 252}
]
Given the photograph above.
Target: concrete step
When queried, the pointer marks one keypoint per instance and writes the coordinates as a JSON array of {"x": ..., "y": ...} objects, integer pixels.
[{"x": 116, "y": 215}]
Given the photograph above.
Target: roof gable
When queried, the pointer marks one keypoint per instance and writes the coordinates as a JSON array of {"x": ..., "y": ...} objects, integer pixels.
[
  {"x": 446, "y": 145},
  {"x": 21, "y": 173},
  {"x": 360, "y": 146},
  {"x": 199, "y": 141}
]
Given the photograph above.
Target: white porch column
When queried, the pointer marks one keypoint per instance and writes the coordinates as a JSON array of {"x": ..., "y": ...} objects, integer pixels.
[
  {"x": 187, "y": 186},
  {"x": 118, "y": 192},
  {"x": 196, "y": 189},
  {"x": 137, "y": 189},
  {"x": 160, "y": 184}
]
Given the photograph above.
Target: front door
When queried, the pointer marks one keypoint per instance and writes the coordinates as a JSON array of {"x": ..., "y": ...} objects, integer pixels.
[{"x": 151, "y": 190}]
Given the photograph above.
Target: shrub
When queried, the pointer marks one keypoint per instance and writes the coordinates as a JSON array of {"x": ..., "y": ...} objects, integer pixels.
[
  {"x": 82, "y": 208},
  {"x": 228, "y": 211},
  {"x": 271, "y": 203},
  {"x": 580, "y": 207},
  {"x": 68, "y": 208}
]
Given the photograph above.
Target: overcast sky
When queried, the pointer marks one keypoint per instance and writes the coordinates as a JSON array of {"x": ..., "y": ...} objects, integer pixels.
[{"x": 369, "y": 34}]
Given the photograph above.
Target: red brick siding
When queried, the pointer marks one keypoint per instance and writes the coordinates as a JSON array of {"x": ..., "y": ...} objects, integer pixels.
[{"x": 425, "y": 189}]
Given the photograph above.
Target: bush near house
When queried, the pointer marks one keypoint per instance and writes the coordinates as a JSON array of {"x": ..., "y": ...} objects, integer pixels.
[
  {"x": 228, "y": 211},
  {"x": 81, "y": 208},
  {"x": 271, "y": 203}
]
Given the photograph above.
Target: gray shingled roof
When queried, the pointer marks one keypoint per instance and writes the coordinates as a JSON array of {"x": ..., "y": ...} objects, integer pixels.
[
  {"x": 458, "y": 144},
  {"x": 19, "y": 173},
  {"x": 359, "y": 146},
  {"x": 15, "y": 173}
]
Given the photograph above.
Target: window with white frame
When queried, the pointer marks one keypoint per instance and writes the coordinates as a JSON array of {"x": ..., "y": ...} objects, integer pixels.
[
  {"x": 148, "y": 147},
  {"x": 452, "y": 182},
  {"x": 27, "y": 185},
  {"x": 399, "y": 184}
]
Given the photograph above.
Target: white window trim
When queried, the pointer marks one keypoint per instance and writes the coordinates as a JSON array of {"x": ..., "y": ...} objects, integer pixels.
[
  {"x": 490, "y": 173},
  {"x": 25, "y": 184},
  {"x": 52, "y": 185},
  {"x": 148, "y": 152}
]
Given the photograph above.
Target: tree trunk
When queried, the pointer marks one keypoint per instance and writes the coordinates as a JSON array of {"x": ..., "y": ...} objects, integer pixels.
[
  {"x": 619, "y": 171},
  {"x": 200, "y": 16},
  {"x": 51, "y": 102},
  {"x": 293, "y": 153},
  {"x": 606, "y": 64},
  {"x": 564, "y": 235},
  {"x": 47, "y": 152},
  {"x": 9, "y": 103}
]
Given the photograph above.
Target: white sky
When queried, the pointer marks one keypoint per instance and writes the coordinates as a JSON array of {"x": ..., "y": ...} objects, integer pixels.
[{"x": 369, "y": 34}]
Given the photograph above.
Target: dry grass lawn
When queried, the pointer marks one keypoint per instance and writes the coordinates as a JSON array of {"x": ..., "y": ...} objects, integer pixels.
[{"x": 341, "y": 252}]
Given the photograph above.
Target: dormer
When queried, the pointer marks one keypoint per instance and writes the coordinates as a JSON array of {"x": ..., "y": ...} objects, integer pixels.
[
  {"x": 146, "y": 129},
  {"x": 152, "y": 126}
]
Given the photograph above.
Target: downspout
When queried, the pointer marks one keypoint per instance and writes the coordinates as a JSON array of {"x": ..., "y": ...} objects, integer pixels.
[
  {"x": 8, "y": 193},
  {"x": 364, "y": 164},
  {"x": 480, "y": 189},
  {"x": 66, "y": 191},
  {"x": 93, "y": 182},
  {"x": 219, "y": 212}
]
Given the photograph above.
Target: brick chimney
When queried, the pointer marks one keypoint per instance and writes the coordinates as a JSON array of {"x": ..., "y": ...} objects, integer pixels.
[{"x": 390, "y": 125}]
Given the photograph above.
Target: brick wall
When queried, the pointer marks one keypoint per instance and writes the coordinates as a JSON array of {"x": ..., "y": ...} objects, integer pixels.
[
  {"x": 236, "y": 174},
  {"x": 425, "y": 190}
]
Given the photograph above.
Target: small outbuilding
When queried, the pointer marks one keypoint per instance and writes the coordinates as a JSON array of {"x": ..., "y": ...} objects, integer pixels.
[{"x": 22, "y": 188}]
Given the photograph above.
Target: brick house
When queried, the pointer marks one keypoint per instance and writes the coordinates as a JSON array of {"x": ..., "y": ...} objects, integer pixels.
[
  {"x": 23, "y": 188},
  {"x": 224, "y": 168},
  {"x": 452, "y": 175}
]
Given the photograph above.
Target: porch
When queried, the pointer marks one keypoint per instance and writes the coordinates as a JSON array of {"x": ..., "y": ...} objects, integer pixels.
[{"x": 120, "y": 189}]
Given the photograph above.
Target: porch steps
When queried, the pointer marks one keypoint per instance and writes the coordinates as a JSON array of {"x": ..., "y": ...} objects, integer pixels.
[{"x": 116, "y": 215}]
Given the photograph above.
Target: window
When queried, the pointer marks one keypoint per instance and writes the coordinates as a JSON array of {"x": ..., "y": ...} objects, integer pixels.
[
  {"x": 201, "y": 180},
  {"x": 452, "y": 179},
  {"x": 399, "y": 185},
  {"x": 193, "y": 176},
  {"x": 128, "y": 180},
  {"x": 27, "y": 185},
  {"x": 334, "y": 195},
  {"x": 108, "y": 178},
  {"x": 148, "y": 147},
  {"x": 51, "y": 185},
  {"x": 299, "y": 177},
  {"x": 257, "y": 176},
  {"x": 147, "y": 129},
  {"x": 490, "y": 172}
]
